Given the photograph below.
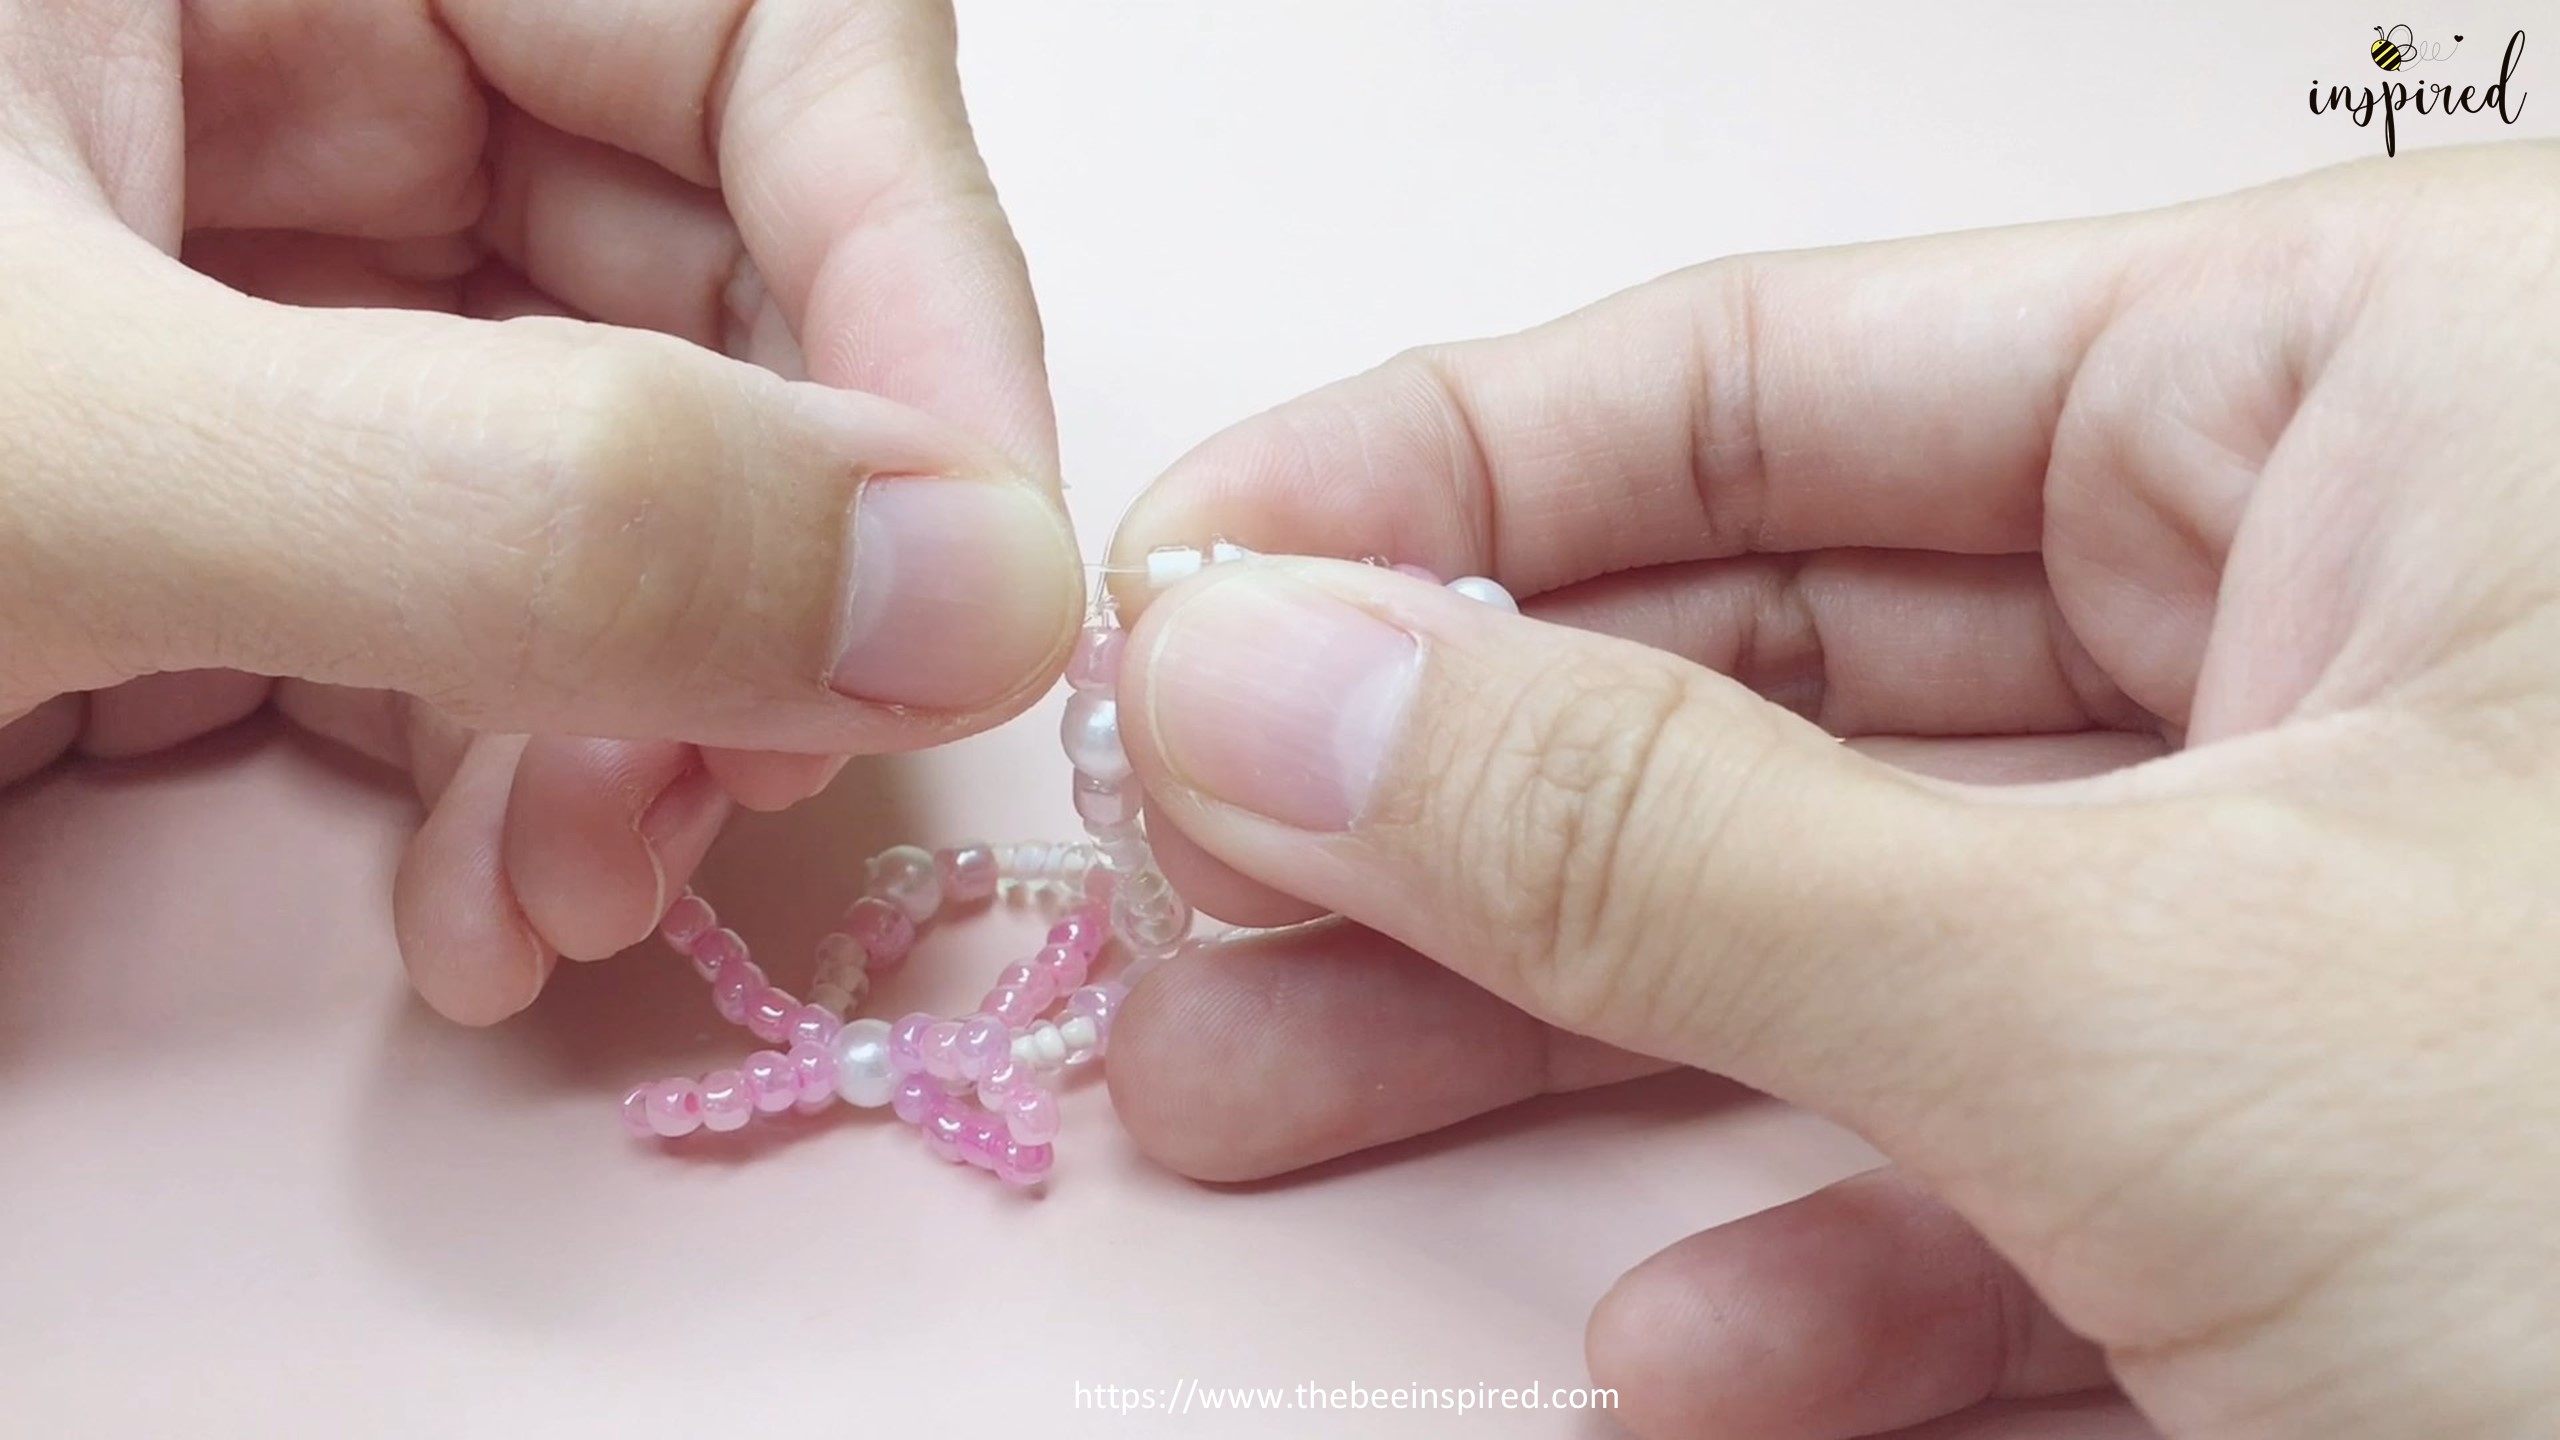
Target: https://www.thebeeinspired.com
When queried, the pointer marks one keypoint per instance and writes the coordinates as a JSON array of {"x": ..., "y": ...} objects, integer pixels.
[{"x": 1195, "y": 1397}]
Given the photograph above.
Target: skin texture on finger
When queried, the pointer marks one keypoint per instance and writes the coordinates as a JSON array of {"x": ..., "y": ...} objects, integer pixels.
[
  {"x": 1868, "y": 642},
  {"x": 155, "y": 712},
  {"x": 602, "y": 834},
  {"x": 1261, "y": 1054},
  {"x": 768, "y": 780},
  {"x": 295, "y": 268},
  {"x": 1864, "y": 1307},
  {"x": 590, "y": 531},
  {"x": 1901, "y": 395},
  {"x": 838, "y": 137},
  {"x": 470, "y": 951}
]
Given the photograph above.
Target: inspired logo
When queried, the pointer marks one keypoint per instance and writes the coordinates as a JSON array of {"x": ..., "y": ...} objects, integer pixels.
[{"x": 2395, "y": 49}]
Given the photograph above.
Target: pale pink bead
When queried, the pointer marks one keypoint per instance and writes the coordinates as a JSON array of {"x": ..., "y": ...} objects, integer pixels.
[
  {"x": 1084, "y": 931},
  {"x": 940, "y": 1048},
  {"x": 811, "y": 1025},
  {"x": 1101, "y": 1004},
  {"x": 715, "y": 948},
  {"x": 1419, "y": 572},
  {"x": 1042, "y": 991},
  {"x": 982, "y": 1139},
  {"x": 770, "y": 1082},
  {"x": 725, "y": 1102},
  {"x": 687, "y": 920},
  {"x": 735, "y": 988},
  {"x": 883, "y": 930},
  {"x": 769, "y": 1015},
  {"x": 982, "y": 1041},
  {"x": 1012, "y": 1005},
  {"x": 1031, "y": 1114},
  {"x": 635, "y": 1111},
  {"x": 1063, "y": 966},
  {"x": 906, "y": 1042},
  {"x": 1020, "y": 1164},
  {"x": 814, "y": 1066},
  {"x": 942, "y": 1128},
  {"x": 675, "y": 1107},
  {"x": 968, "y": 872},
  {"x": 914, "y": 1099},
  {"x": 1096, "y": 662},
  {"x": 1101, "y": 803},
  {"x": 999, "y": 1081}
]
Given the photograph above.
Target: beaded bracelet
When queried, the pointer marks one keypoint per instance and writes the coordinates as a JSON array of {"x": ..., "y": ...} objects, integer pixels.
[{"x": 980, "y": 1087}]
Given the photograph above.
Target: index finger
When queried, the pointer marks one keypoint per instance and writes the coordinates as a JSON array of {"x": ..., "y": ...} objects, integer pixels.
[
  {"x": 1903, "y": 395},
  {"x": 837, "y": 135}
]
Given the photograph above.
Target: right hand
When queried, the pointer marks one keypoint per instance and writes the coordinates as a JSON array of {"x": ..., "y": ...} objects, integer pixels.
[{"x": 2182, "y": 916}]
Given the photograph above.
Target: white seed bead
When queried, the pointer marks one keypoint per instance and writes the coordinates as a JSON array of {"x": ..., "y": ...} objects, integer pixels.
[
  {"x": 1490, "y": 592},
  {"x": 1221, "y": 552},
  {"x": 1169, "y": 564},
  {"x": 1090, "y": 731},
  {"x": 864, "y": 1075},
  {"x": 1076, "y": 1032}
]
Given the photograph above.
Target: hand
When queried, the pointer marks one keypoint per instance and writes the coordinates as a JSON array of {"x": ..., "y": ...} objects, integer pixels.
[
  {"x": 2182, "y": 917},
  {"x": 418, "y": 450}
]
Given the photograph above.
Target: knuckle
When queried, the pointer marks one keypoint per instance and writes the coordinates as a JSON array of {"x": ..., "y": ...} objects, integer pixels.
[
  {"x": 618, "y": 552},
  {"x": 1563, "y": 804}
]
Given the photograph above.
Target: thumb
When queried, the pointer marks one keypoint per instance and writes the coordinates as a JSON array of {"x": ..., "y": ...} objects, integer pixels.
[
  {"x": 1624, "y": 844},
  {"x": 538, "y": 525}
]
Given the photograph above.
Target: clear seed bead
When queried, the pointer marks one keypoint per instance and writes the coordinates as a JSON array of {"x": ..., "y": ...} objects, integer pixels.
[
  {"x": 1101, "y": 804},
  {"x": 1096, "y": 663},
  {"x": 1148, "y": 925},
  {"x": 1090, "y": 732},
  {"x": 968, "y": 872},
  {"x": 905, "y": 876},
  {"x": 1123, "y": 848},
  {"x": 1484, "y": 591}
]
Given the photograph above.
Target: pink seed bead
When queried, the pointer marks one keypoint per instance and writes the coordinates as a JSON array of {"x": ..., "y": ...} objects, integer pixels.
[
  {"x": 982, "y": 1041},
  {"x": 1020, "y": 1164},
  {"x": 941, "y": 1057},
  {"x": 914, "y": 1099},
  {"x": 968, "y": 872},
  {"x": 1096, "y": 662},
  {"x": 1031, "y": 1115},
  {"x": 812, "y": 1025},
  {"x": 1063, "y": 966},
  {"x": 1100, "y": 1003},
  {"x": 687, "y": 920},
  {"x": 735, "y": 988},
  {"x": 715, "y": 948},
  {"x": 770, "y": 1082},
  {"x": 1012, "y": 1005},
  {"x": 885, "y": 932},
  {"x": 635, "y": 1111},
  {"x": 982, "y": 1139},
  {"x": 675, "y": 1107},
  {"x": 725, "y": 1102},
  {"x": 1419, "y": 572},
  {"x": 1043, "y": 991},
  {"x": 1085, "y": 931},
  {"x": 906, "y": 1042},
  {"x": 769, "y": 1015},
  {"x": 999, "y": 1081},
  {"x": 942, "y": 1129},
  {"x": 814, "y": 1067}
]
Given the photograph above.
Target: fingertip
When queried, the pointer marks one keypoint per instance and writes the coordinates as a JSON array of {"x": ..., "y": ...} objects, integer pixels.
[
  {"x": 600, "y": 835},
  {"x": 765, "y": 781},
  {"x": 470, "y": 952}
]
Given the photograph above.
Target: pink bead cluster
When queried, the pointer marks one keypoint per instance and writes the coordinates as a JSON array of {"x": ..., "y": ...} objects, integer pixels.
[{"x": 980, "y": 1087}]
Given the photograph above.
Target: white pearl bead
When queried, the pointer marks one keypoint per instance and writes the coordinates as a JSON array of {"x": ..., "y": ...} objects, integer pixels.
[
  {"x": 1090, "y": 731},
  {"x": 1476, "y": 587},
  {"x": 1169, "y": 564},
  {"x": 864, "y": 1075},
  {"x": 905, "y": 876}
]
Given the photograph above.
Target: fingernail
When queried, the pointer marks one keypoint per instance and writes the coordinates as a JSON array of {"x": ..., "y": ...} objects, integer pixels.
[
  {"x": 960, "y": 590},
  {"x": 677, "y": 829},
  {"x": 1275, "y": 697}
]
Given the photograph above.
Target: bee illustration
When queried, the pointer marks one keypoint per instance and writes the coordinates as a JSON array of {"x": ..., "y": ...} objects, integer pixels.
[{"x": 2391, "y": 54}]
